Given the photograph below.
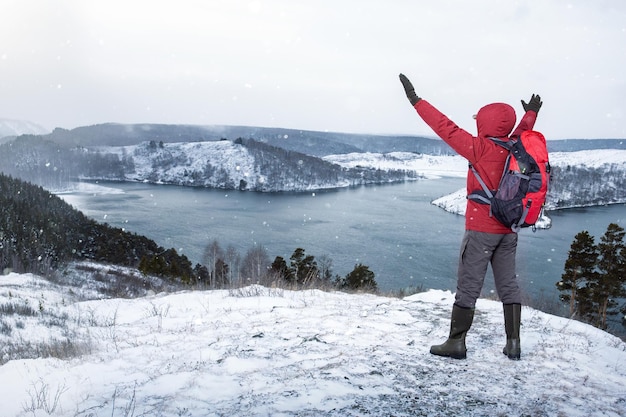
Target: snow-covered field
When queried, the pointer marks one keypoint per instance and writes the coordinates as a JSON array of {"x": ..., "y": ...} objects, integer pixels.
[
  {"x": 259, "y": 351},
  {"x": 429, "y": 166},
  {"x": 432, "y": 166}
]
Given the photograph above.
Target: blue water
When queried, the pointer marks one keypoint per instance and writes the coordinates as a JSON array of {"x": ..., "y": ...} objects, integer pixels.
[{"x": 393, "y": 229}]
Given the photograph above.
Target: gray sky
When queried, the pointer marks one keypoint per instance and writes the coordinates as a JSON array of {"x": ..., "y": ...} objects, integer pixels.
[{"x": 317, "y": 65}]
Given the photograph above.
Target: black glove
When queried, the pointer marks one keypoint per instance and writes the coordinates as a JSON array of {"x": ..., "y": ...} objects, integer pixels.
[
  {"x": 534, "y": 104},
  {"x": 409, "y": 90}
]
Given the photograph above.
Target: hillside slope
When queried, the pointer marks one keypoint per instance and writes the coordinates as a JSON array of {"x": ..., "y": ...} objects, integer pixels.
[
  {"x": 258, "y": 351},
  {"x": 40, "y": 232}
]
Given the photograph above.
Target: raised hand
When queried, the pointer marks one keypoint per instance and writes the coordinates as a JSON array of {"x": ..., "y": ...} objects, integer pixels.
[
  {"x": 409, "y": 90},
  {"x": 534, "y": 104}
]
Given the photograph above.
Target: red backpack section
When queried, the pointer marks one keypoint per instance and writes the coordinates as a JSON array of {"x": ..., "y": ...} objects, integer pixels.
[{"x": 535, "y": 144}]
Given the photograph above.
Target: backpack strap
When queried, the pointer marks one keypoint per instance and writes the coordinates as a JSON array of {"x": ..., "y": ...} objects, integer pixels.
[
  {"x": 487, "y": 194},
  {"x": 506, "y": 144},
  {"x": 486, "y": 190},
  {"x": 517, "y": 226}
]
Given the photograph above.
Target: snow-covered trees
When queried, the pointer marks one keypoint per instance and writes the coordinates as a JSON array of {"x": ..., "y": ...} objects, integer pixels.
[
  {"x": 575, "y": 186},
  {"x": 595, "y": 276}
]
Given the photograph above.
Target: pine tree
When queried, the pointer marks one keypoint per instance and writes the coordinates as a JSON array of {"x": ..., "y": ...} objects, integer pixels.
[
  {"x": 579, "y": 269},
  {"x": 304, "y": 267},
  {"x": 280, "y": 268},
  {"x": 221, "y": 273},
  {"x": 595, "y": 275},
  {"x": 361, "y": 278},
  {"x": 610, "y": 279}
]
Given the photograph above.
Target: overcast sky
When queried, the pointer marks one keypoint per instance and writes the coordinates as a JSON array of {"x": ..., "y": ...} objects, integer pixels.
[{"x": 329, "y": 65}]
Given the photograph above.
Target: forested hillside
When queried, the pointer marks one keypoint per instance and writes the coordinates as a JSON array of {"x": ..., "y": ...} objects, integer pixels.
[
  {"x": 39, "y": 231},
  {"x": 577, "y": 186},
  {"x": 587, "y": 178}
]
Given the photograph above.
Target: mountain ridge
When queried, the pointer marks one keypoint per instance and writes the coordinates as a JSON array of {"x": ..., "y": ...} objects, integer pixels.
[{"x": 310, "y": 142}]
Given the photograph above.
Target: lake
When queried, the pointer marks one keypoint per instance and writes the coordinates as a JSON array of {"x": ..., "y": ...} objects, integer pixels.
[{"x": 393, "y": 229}]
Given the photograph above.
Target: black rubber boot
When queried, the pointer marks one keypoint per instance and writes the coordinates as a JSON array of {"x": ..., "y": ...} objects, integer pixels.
[
  {"x": 512, "y": 320},
  {"x": 460, "y": 323}
]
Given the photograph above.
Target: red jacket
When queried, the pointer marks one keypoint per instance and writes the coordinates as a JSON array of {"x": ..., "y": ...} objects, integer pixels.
[{"x": 493, "y": 120}]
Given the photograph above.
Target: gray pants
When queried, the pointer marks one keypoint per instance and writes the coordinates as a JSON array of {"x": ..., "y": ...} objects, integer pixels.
[{"x": 477, "y": 251}]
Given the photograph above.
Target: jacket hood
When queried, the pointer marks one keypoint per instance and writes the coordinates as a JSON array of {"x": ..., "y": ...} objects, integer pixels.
[{"x": 496, "y": 120}]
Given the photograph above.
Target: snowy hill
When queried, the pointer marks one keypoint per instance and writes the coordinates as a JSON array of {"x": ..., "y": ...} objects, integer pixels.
[
  {"x": 259, "y": 351},
  {"x": 243, "y": 164},
  {"x": 14, "y": 128},
  {"x": 429, "y": 166},
  {"x": 235, "y": 161}
]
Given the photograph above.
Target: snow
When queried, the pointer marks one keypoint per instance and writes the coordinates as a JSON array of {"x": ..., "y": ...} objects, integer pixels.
[
  {"x": 183, "y": 158},
  {"x": 258, "y": 351},
  {"x": 592, "y": 159},
  {"x": 90, "y": 188},
  {"x": 428, "y": 166},
  {"x": 432, "y": 166}
]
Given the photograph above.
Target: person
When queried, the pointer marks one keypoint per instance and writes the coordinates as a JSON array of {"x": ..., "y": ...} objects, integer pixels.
[{"x": 485, "y": 241}]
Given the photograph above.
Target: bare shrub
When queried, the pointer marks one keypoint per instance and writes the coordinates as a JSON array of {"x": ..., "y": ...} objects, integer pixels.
[
  {"x": 20, "y": 309},
  {"x": 54, "y": 348},
  {"x": 42, "y": 398}
]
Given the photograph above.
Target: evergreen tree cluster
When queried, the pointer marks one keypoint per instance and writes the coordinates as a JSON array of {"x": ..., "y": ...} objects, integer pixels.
[
  {"x": 594, "y": 280},
  {"x": 39, "y": 231}
]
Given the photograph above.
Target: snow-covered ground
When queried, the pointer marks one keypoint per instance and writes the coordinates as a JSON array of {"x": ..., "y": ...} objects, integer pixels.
[
  {"x": 259, "y": 351},
  {"x": 184, "y": 157},
  {"x": 456, "y": 166},
  {"x": 429, "y": 166}
]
